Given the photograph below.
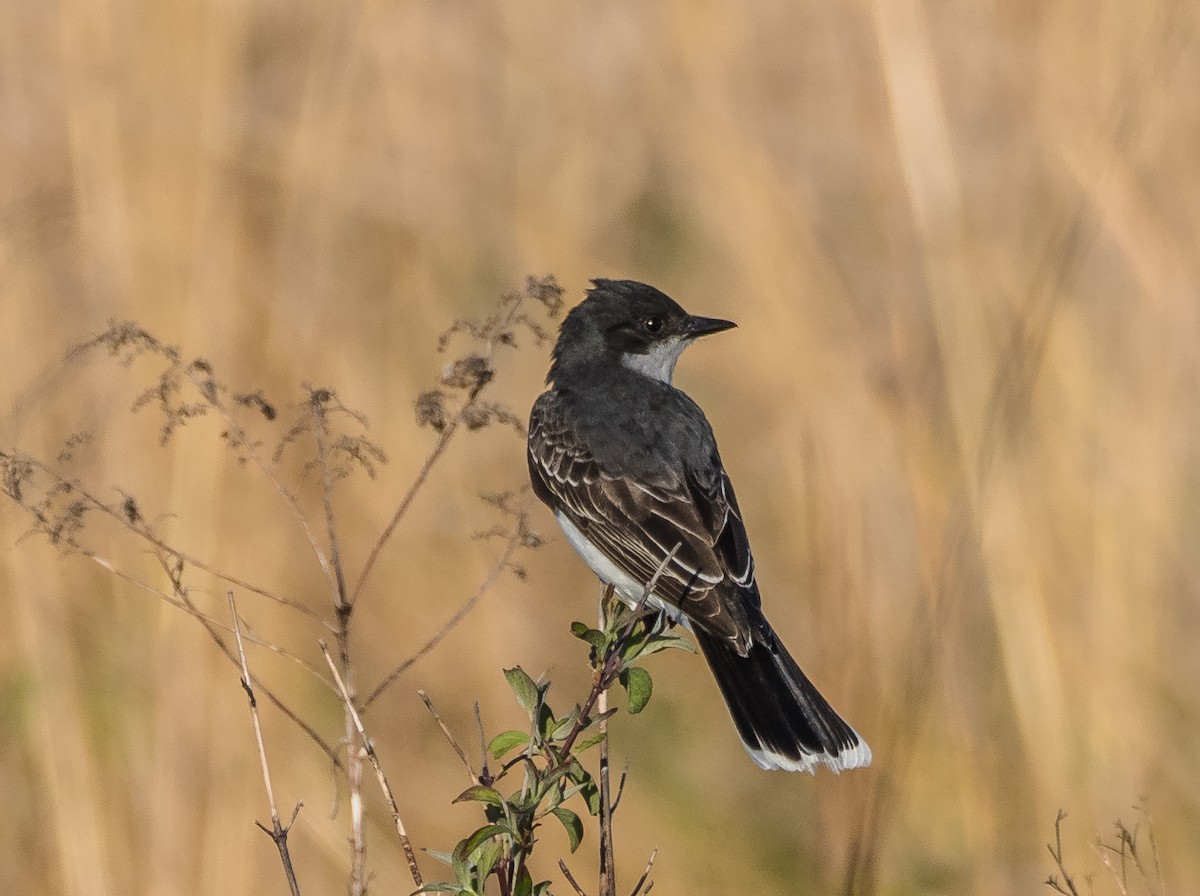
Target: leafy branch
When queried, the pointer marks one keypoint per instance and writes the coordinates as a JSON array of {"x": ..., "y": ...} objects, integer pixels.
[{"x": 547, "y": 757}]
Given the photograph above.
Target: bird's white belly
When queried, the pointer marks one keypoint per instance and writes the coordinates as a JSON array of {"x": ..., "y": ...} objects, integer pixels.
[{"x": 627, "y": 588}]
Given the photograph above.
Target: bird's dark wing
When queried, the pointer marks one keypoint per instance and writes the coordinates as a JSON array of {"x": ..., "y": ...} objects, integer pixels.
[
  {"x": 636, "y": 524},
  {"x": 717, "y": 505}
]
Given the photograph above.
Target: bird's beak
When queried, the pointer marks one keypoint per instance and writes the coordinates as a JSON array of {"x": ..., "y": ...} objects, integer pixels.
[{"x": 703, "y": 326}]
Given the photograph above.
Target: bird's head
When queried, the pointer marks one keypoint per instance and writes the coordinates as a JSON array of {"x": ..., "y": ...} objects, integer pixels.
[{"x": 632, "y": 323}]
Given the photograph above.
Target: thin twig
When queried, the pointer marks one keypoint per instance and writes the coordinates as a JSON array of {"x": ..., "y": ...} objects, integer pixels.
[
  {"x": 620, "y": 789},
  {"x": 211, "y": 626},
  {"x": 182, "y": 601},
  {"x": 462, "y": 754},
  {"x": 514, "y": 541},
  {"x": 608, "y": 864},
  {"x": 562, "y": 866},
  {"x": 1158, "y": 872},
  {"x": 422, "y": 474},
  {"x": 277, "y": 831},
  {"x": 439, "y": 448},
  {"x": 343, "y": 608},
  {"x": 341, "y": 600},
  {"x": 358, "y": 837},
  {"x": 645, "y": 875},
  {"x": 187, "y": 605},
  {"x": 604, "y": 678},
  {"x": 1056, "y": 853},
  {"x": 239, "y": 438},
  {"x": 369, "y": 749},
  {"x": 144, "y": 531},
  {"x": 484, "y": 775}
]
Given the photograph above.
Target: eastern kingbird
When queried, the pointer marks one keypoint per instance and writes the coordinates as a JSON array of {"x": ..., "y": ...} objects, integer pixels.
[{"x": 629, "y": 465}]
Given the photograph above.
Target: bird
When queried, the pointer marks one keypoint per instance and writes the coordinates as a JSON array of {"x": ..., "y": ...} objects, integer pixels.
[{"x": 629, "y": 466}]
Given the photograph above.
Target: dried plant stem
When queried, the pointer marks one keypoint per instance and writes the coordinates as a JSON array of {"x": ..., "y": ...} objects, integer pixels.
[
  {"x": 143, "y": 530},
  {"x": 515, "y": 540},
  {"x": 238, "y": 437},
  {"x": 608, "y": 862},
  {"x": 422, "y": 475},
  {"x": 462, "y": 754},
  {"x": 641, "y": 881},
  {"x": 439, "y": 448},
  {"x": 1067, "y": 886},
  {"x": 608, "y": 867},
  {"x": 183, "y": 602},
  {"x": 354, "y": 753},
  {"x": 1158, "y": 870},
  {"x": 358, "y": 837},
  {"x": 369, "y": 749},
  {"x": 320, "y": 431},
  {"x": 278, "y": 831},
  {"x": 343, "y": 607},
  {"x": 562, "y": 866}
]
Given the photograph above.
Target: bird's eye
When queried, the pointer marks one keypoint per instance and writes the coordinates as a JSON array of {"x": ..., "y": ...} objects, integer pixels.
[{"x": 653, "y": 324}]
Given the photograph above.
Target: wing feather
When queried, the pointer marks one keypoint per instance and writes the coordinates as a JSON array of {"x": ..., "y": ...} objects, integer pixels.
[{"x": 635, "y": 525}]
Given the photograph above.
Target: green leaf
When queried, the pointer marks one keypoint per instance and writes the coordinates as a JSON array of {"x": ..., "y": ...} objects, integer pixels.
[
  {"x": 489, "y": 854},
  {"x": 592, "y": 636},
  {"x": 638, "y": 686},
  {"x": 550, "y": 778},
  {"x": 443, "y": 857},
  {"x": 588, "y": 743},
  {"x": 442, "y": 888},
  {"x": 505, "y": 741},
  {"x": 480, "y": 794},
  {"x": 564, "y": 725},
  {"x": 577, "y": 773},
  {"x": 524, "y": 883},
  {"x": 523, "y": 687},
  {"x": 545, "y": 722},
  {"x": 573, "y": 825},
  {"x": 481, "y": 836},
  {"x": 633, "y": 647},
  {"x": 460, "y": 865},
  {"x": 587, "y": 787},
  {"x": 667, "y": 642},
  {"x": 542, "y": 889},
  {"x": 527, "y": 800}
]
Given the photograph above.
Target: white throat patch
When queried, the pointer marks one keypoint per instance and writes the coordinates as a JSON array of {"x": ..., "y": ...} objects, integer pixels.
[{"x": 659, "y": 362}]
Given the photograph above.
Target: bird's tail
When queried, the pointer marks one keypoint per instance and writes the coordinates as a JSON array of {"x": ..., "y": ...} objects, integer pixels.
[{"x": 783, "y": 720}]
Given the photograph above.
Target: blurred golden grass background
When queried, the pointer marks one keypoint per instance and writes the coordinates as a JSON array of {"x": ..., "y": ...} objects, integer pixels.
[{"x": 960, "y": 242}]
